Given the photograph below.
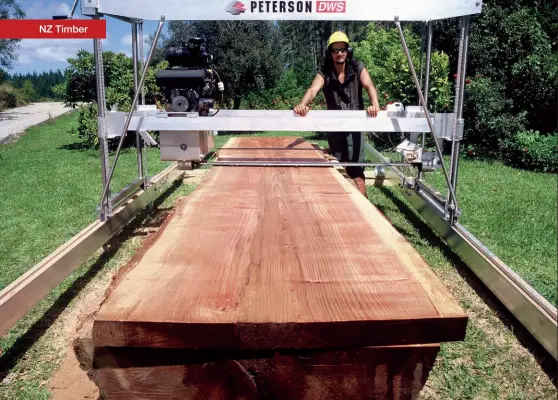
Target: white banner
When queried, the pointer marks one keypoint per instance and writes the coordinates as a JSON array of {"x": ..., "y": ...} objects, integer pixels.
[{"x": 275, "y": 10}]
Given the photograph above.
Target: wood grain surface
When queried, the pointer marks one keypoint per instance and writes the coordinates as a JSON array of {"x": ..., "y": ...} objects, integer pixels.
[
  {"x": 397, "y": 372},
  {"x": 277, "y": 257}
]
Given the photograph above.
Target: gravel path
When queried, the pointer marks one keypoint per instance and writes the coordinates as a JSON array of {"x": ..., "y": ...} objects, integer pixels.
[{"x": 16, "y": 120}]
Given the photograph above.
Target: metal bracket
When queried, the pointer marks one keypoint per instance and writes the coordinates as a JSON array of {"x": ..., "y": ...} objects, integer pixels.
[
  {"x": 89, "y": 7},
  {"x": 103, "y": 131},
  {"x": 148, "y": 138},
  {"x": 380, "y": 171},
  {"x": 443, "y": 126},
  {"x": 459, "y": 129},
  {"x": 430, "y": 162},
  {"x": 167, "y": 114}
]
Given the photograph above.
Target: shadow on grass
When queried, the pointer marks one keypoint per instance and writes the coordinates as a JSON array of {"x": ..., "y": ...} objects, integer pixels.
[
  {"x": 316, "y": 136},
  {"x": 76, "y": 146},
  {"x": 9, "y": 359},
  {"x": 541, "y": 355}
]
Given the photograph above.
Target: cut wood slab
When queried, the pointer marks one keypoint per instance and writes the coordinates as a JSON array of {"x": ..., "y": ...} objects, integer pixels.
[
  {"x": 398, "y": 372},
  {"x": 277, "y": 257}
]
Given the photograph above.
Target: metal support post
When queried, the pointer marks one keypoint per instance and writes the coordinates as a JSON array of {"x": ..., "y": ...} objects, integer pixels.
[
  {"x": 135, "y": 65},
  {"x": 427, "y": 77},
  {"x": 427, "y": 116},
  {"x": 423, "y": 40},
  {"x": 146, "y": 182},
  {"x": 134, "y": 103},
  {"x": 457, "y": 133},
  {"x": 427, "y": 67},
  {"x": 141, "y": 57},
  {"x": 104, "y": 208},
  {"x": 73, "y": 10}
]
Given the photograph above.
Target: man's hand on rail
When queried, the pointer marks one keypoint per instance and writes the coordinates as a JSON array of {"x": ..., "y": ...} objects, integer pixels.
[
  {"x": 301, "y": 110},
  {"x": 372, "y": 110}
]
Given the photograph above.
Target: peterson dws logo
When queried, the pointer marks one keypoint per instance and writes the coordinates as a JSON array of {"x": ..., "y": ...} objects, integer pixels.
[
  {"x": 235, "y": 7},
  {"x": 330, "y": 6},
  {"x": 287, "y": 6}
]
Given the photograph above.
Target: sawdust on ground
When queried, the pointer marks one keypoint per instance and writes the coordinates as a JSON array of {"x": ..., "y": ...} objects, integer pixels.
[{"x": 70, "y": 380}]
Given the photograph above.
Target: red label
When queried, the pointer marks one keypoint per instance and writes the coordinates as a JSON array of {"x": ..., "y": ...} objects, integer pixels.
[
  {"x": 330, "y": 6},
  {"x": 53, "y": 29}
]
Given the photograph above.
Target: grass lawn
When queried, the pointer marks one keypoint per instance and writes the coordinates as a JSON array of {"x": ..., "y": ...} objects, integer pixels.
[
  {"x": 513, "y": 212},
  {"x": 50, "y": 191}
]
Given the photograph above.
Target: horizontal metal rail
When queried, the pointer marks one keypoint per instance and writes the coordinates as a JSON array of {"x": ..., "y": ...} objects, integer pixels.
[
  {"x": 532, "y": 310},
  {"x": 125, "y": 193},
  {"x": 23, "y": 294},
  {"x": 275, "y": 120},
  {"x": 325, "y": 164}
]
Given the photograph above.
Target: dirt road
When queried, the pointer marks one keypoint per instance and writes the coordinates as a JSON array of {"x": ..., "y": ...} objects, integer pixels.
[{"x": 16, "y": 120}]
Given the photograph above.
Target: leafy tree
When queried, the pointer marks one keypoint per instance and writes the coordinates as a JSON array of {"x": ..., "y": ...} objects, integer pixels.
[
  {"x": 28, "y": 90},
  {"x": 490, "y": 123},
  {"x": 9, "y": 9},
  {"x": 384, "y": 58},
  {"x": 80, "y": 86},
  {"x": 513, "y": 43},
  {"x": 518, "y": 54},
  {"x": 118, "y": 72}
]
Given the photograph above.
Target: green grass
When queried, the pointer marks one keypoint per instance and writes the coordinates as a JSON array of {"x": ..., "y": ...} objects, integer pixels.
[
  {"x": 513, "y": 212},
  {"x": 34, "y": 348},
  {"x": 490, "y": 363},
  {"x": 50, "y": 191}
]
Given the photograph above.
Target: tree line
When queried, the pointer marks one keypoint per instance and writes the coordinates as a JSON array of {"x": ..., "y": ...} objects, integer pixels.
[{"x": 40, "y": 85}]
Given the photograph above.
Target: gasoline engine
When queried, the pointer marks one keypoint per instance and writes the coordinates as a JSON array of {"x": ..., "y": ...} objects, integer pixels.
[{"x": 190, "y": 84}]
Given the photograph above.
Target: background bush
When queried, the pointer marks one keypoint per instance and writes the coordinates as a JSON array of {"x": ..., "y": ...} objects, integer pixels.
[
  {"x": 490, "y": 122},
  {"x": 384, "y": 58},
  {"x": 9, "y": 97},
  {"x": 80, "y": 87},
  {"x": 531, "y": 150}
]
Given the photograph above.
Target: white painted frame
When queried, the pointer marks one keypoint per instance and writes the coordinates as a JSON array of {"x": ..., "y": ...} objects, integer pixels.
[{"x": 277, "y": 10}]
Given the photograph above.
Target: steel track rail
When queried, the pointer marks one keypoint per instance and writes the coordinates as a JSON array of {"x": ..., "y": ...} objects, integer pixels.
[
  {"x": 23, "y": 294},
  {"x": 532, "y": 310}
]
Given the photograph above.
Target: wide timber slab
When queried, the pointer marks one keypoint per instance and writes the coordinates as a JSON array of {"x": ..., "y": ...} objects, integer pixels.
[{"x": 277, "y": 257}]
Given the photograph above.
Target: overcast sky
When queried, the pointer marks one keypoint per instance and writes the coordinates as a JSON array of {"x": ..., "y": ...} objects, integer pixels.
[{"x": 46, "y": 54}]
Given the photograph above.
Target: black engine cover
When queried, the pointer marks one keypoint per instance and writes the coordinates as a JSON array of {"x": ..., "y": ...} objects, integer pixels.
[{"x": 181, "y": 78}]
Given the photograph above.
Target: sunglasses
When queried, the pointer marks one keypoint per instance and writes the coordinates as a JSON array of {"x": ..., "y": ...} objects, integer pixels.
[{"x": 336, "y": 50}]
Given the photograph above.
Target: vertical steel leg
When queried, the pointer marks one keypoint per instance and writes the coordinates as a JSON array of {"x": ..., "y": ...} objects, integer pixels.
[
  {"x": 141, "y": 57},
  {"x": 135, "y": 64},
  {"x": 423, "y": 39},
  {"x": 104, "y": 207},
  {"x": 426, "y": 114},
  {"x": 142, "y": 61},
  {"x": 427, "y": 67},
  {"x": 427, "y": 77},
  {"x": 458, "y": 110}
]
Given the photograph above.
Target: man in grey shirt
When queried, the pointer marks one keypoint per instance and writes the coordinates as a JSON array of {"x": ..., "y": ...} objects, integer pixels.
[{"x": 342, "y": 78}]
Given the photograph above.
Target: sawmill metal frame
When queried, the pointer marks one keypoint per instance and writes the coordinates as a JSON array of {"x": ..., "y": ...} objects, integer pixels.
[
  {"x": 441, "y": 213},
  {"x": 532, "y": 310}
]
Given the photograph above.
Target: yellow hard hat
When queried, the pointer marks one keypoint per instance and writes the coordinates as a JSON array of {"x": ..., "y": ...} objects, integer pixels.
[{"x": 338, "y": 37}]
